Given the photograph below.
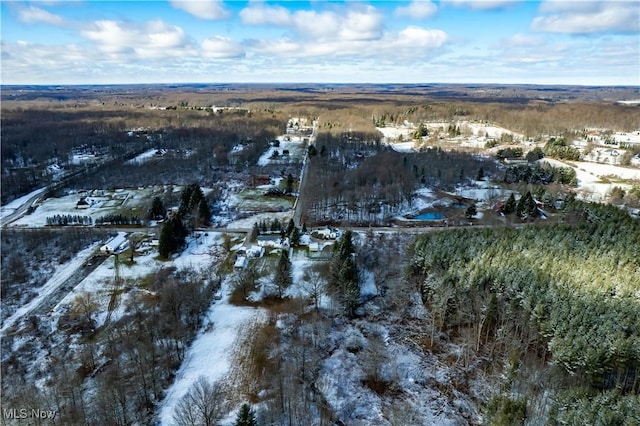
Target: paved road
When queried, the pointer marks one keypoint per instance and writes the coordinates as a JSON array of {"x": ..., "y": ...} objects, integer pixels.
[{"x": 20, "y": 211}]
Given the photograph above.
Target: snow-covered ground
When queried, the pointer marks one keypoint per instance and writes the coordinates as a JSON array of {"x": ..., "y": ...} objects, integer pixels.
[
  {"x": 59, "y": 277},
  {"x": 627, "y": 137},
  {"x": 247, "y": 223},
  {"x": 201, "y": 248},
  {"x": 590, "y": 177},
  {"x": 473, "y": 134},
  {"x": 101, "y": 202},
  {"x": 214, "y": 350},
  {"x": 295, "y": 146},
  {"x": 145, "y": 156}
]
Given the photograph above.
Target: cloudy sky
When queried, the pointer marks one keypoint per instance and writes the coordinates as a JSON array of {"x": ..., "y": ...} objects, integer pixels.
[{"x": 420, "y": 41}]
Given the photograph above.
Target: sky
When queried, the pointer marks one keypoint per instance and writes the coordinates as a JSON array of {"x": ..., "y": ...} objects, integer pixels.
[{"x": 320, "y": 41}]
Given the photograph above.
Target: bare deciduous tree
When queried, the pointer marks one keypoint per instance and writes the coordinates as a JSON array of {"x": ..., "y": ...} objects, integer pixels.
[{"x": 202, "y": 405}]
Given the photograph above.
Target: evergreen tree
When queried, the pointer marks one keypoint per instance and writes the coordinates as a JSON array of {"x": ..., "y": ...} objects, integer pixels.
[
  {"x": 172, "y": 237},
  {"x": 290, "y": 227},
  {"x": 471, "y": 211},
  {"x": 526, "y": 207},
  {"x": 246, "y": 416},
  {"x": 157, "y": 210},
  {"x": 344, "y": 274},
  {"x": 295, "y": 237},
  {"x": 283, "y": 277},
  {"x": 304, "y": 228},
  {"x": 204, "y": 213},
  {"x": 289, "y": 183},
  {"x": 480, "y": 175},
  {"x": 510, "y": 205}
]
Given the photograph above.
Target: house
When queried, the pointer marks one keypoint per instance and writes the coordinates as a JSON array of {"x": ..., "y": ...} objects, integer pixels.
[
  {"x": 314, "y": 247},
  {"x": 261, "y": 180},
  {"x": 116, "y": 245},
  {"x": 241, "y": 263},
  {"x": 83, "y": 204},
  {"x": 255, "y": 251}
]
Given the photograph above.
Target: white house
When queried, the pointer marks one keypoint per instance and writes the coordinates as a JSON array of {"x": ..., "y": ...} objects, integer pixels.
[
  {"x": 116, "y": 245},
  {"x": 241, "y": 263},
  {"x": 255, "y": 251}
]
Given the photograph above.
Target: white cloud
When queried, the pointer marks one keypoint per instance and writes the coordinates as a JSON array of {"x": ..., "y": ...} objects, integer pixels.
[
  {"x": 417, "y": 37},
  {"x": 412, "y": 43},
  {"x": 36, "y": 15},
  {"x": 355, "y": 23},
  {"x": 573, "y": 17},
  {"x": 366, "y": 24},
  {"x": 481, "y": 4},
  {"x": 260, "y": 14},
  {"x": 203, "y": 9},
  {"x": 523, "y": 40},
  {"x": 418, "y": 9},
  {"x": 218, "y": 47},
  {"x": 154, "y": 39}
]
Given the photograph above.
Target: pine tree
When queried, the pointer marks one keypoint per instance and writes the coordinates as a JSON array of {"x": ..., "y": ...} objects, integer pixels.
[
  {"x": 290, "y": 227},
  {"x": 246, "y": 416},
  {"x": 344, "y": 273},
  {"x": 204, "y": 213},
  {"x": 283, "y": 277},
  {"x": 157, "y": 210},
  {"x": 295, "y": 237},
  {"x": 172, "y": 237},
  {"x": 289, "y": 183},
  {"x": 510, "y": 205},
  {"x": 526, "y": 207},
  {"x": 471, "y": 211}
]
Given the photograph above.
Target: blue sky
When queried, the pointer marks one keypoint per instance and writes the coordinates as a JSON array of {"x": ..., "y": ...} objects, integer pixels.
[{"x": 420, "y": 41}]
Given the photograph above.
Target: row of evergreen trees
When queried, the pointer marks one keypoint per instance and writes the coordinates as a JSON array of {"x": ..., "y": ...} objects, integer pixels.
[
  {"x": 540, "y": 175},
  {"x": 275, "y": 226},
  {"x": 118, "y": 219},
  {"x": 68, "y": 219}
]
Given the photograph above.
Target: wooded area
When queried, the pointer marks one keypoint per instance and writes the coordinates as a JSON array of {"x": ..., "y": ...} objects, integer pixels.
[{"x": 564, "y": 295}]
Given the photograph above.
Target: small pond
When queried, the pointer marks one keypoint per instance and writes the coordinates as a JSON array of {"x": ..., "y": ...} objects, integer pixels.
[{"x": 430, "y": 216}]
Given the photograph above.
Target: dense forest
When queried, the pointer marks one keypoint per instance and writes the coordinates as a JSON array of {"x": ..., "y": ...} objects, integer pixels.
[
  {"x": 199, "y": 141},
  {"x": 512, "y": 298},
  {"x": 352, "y": 178}
]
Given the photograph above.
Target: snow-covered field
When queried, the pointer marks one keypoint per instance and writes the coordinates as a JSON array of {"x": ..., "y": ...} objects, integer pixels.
[
  {"x": 591, "y": 177},
  {"x": 127, "y": 201},
  {"x": 295, "y": 146},
  {"x": 473, "y": 134},
  {"x": 214, "y": 350}
]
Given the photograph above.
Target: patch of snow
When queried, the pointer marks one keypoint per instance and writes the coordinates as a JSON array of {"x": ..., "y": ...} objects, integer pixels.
[
  {"x": 368, "y": 287},
  {"x": 144, "y": 157},
  {"x": 9, "y": 208},
  {"x": 212, "y": 353},
  {"x": 59, "y": 277}
]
